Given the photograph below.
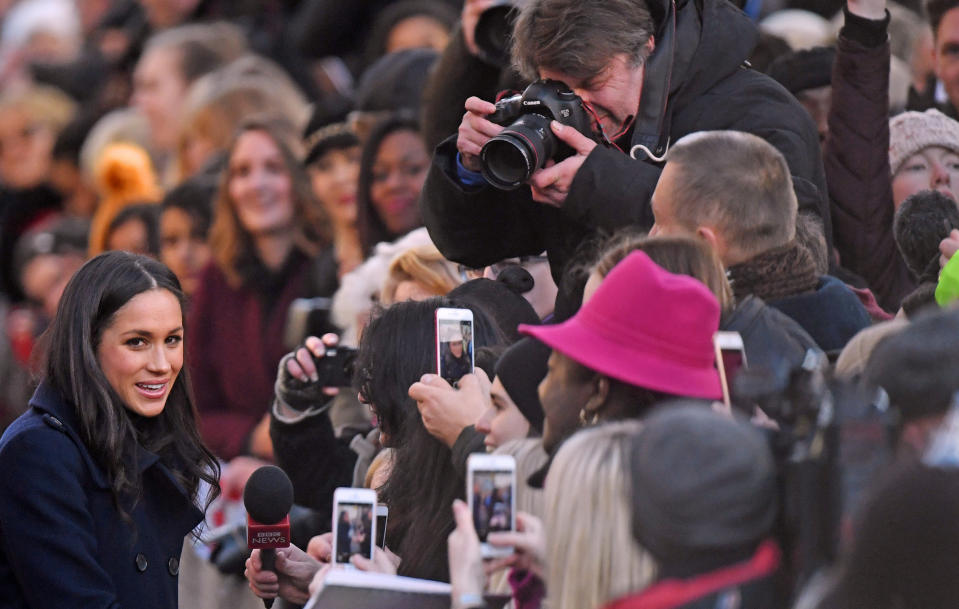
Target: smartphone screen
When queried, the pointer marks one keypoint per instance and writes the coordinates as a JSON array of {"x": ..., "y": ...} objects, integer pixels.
[
  {"x": 492, "y": 501},
  {"x": 733, "y": 360},
  {"x": 354, "y": 531},
  {"x": 454, "y": 334},
  {"x": 381, "y": 515}
]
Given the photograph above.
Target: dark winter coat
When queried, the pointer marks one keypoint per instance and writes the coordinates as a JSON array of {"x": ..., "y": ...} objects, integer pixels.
[
  {"x": 832, "y": 314},
  {"x": 709, "y": 89},
  {"x": 316, "y": 461},
  {"x": 769, "y": 336},
  {"x": 63, "y": 541},
  {"x": 856, "y": 159}
]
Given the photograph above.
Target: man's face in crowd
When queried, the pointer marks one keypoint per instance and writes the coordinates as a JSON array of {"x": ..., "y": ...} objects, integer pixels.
[
  {"x": 817, "y": 102},
  {"x": 613, "y": 93},
  {"x": 663, "y": 201},
  {"x": 947, "y": 54},
  {"x": 158, "y": 92}
]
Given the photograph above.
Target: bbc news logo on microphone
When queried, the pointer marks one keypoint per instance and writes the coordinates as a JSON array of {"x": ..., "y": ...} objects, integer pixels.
[
  {"x": 265, "y": 536},
  {"x": 268, "y": 539}
]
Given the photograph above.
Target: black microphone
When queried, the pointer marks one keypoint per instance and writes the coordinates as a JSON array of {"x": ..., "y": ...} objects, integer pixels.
[{"x": 268, "y": 497}]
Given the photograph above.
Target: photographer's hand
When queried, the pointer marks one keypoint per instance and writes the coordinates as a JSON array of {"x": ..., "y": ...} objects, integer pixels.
[
  {"x": 446, "y": 411},
  {"x": 551, "y": 184},
  {"x": 297, "y": 378},
  {"x": 475, "y": 131}
]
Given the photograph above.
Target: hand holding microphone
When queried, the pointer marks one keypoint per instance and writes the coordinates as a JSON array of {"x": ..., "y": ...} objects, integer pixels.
[{"x": 268, "y": 497}]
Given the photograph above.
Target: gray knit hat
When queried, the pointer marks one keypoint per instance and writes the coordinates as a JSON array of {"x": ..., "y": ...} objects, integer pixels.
[
  {"x": 910, "y": 132},
  {"x": 701, "y": 482}
]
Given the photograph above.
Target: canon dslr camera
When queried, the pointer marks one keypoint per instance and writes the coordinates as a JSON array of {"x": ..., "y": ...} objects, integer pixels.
[{"x": 527, "y": 142}]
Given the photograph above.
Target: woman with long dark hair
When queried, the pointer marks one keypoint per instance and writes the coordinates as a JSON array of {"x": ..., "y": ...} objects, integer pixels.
[
  {"x": 100, "y": 480},
  {"x": 397, "y": 349}
]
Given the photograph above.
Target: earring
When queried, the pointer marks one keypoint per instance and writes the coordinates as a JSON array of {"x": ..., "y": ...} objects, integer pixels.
[{"x": 586, "y": 419}]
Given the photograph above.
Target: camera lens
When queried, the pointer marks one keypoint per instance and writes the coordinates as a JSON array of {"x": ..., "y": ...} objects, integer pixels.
[{"x": 511, "y": 157}]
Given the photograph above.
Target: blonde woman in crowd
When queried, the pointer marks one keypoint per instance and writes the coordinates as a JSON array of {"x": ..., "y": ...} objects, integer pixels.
[{"x": 586, "y": 560}]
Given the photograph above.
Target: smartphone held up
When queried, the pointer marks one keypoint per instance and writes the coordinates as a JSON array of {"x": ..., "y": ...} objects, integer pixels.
[
  {"x": 730, "y": 359},
  {"x": 491, "y": 491},
  {"x": 354, "y": 524},
  {"x": 454, "y": 343}
]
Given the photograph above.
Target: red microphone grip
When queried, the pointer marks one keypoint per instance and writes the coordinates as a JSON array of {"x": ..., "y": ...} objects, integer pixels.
[{"x": 267, "y": 536}]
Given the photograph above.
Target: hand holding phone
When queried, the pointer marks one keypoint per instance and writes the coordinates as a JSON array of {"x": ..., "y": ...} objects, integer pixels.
[
  {"x": 446, "y": 411},
  {"x": 491, "y": 494}
]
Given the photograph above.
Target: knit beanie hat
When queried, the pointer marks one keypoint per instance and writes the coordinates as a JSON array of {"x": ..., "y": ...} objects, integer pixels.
[
  {"x": 702, "y": 482},
  {"x": 920, "y": 223},
  {"x": 396, "y": 81},
  {"x": 520, "y": 369},
  {"x": 500, "y": 300},
  {"x": 806, "y": 69},
  {"x": 910, "y": 132}
]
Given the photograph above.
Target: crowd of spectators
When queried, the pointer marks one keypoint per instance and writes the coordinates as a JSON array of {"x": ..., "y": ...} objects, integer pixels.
[{"x": 318, "y": 174}]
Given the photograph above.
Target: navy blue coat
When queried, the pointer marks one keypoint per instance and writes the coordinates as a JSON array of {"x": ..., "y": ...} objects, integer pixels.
[{"x": 63, "y": 541}]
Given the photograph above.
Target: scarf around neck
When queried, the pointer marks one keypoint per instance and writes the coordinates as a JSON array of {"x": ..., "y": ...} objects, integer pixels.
[{"x": 775, "y": 274}]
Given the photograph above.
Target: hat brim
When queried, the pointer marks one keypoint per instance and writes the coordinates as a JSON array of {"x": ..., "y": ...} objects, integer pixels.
[{"x": 577, "y": 341}]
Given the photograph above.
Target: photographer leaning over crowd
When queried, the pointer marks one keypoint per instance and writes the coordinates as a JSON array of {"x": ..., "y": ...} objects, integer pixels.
[
  {"x": 646, "y": 87},
  {"x": 750, "y": 219}
]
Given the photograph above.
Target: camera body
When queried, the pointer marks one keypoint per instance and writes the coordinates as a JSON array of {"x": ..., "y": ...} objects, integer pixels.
[
  {"x": 335, "y": 368},
  {"x": 527, "y": 142}
]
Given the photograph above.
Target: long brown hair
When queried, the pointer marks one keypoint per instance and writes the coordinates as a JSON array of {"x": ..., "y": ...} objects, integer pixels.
[{"x": 311, "y": 226}]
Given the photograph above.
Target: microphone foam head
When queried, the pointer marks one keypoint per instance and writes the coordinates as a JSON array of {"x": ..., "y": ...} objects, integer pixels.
[{"x": 268, "y": 495}]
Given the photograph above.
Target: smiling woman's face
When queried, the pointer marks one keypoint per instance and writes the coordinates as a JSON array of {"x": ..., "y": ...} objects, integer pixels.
[
  {"x": 260, "y": 185},
  {"x": 141, "y": 351}
]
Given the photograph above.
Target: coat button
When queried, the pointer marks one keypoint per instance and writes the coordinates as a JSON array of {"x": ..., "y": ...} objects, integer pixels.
[
  {"x": 173, "y": 565},
  {"x": 142, "y": 563}
]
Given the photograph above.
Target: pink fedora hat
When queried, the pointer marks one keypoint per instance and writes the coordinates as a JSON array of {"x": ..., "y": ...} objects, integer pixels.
[{"x": 646, "y": 327}]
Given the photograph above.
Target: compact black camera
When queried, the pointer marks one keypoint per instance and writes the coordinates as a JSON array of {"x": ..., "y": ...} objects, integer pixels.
[
  {"x": 335, "y": 368},
  {"x": 524, "y": 146}
]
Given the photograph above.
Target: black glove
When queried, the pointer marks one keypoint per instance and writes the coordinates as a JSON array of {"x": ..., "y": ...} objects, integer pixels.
[{"x": 297, "y": 394}]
